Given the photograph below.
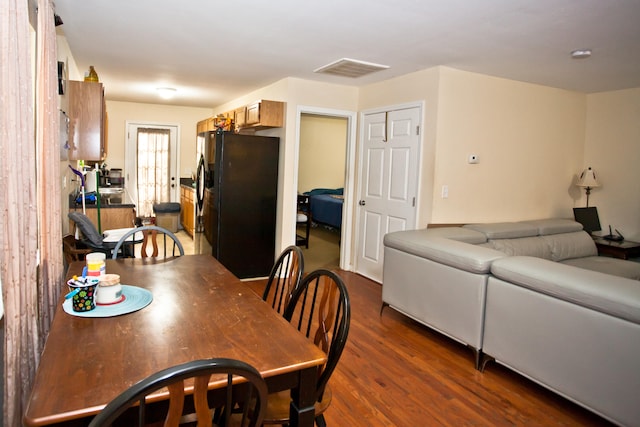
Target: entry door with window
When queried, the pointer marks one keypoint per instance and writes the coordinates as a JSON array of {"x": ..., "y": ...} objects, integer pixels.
[
  {"x": 151, "y": 166},
  {"x": 388, "y": 184}
]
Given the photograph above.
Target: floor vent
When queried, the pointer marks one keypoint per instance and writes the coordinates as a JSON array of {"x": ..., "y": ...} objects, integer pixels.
[{"x": 346, "y": 67}]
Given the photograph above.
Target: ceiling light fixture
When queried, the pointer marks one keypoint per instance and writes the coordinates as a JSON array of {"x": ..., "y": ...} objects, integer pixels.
[
  {"x": 166, "y": 92},
  {"x": 581, "y": 53}
]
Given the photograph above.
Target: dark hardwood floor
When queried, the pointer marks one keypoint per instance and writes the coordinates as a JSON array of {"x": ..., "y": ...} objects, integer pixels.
[{"x": 396, "y": 372}]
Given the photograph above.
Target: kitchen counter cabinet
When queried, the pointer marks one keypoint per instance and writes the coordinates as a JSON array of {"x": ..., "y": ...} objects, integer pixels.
[
  {"x": 187, "y": 213},
  {"x": 87, "y": 120},
  {"x": 111, "y": 217}
]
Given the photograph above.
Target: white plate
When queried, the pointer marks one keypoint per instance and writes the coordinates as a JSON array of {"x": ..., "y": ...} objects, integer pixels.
[{"x": 135, "y": 298}]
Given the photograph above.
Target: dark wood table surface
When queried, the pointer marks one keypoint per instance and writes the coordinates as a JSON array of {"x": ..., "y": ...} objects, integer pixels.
[
  {"x": 623, "y": 249},
  {"x": 199, "y": 310}
]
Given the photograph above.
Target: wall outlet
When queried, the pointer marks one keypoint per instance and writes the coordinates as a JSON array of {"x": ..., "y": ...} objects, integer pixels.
[{"x": 473, "y": 159}]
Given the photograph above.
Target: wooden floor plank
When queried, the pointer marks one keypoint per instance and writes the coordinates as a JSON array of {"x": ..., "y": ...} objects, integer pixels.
[{"x": 396, "y": 372}]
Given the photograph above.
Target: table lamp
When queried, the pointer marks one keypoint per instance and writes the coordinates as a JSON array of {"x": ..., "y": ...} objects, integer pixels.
[{"x": 588, "y": 181}]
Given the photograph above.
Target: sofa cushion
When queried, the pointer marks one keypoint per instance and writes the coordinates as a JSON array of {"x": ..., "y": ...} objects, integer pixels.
[
  {"x": 530, "y": 246},
  {"x": 446, "y": 251},
  {"x": 505, "y": 230},
  {"x": 614, "y": 266},
  {"x": 555, "y": 225},
  {"x": 571, "y": 245},
  {"x": 458, "y": 233},
  {"x": 617, "y": 296}
]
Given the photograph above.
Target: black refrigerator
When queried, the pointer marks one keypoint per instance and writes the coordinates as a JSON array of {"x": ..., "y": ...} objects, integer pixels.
[{"x": 239, "y": 200}]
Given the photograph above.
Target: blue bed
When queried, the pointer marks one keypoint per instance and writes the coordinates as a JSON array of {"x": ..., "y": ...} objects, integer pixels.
[{"x": 326, "y": 206}]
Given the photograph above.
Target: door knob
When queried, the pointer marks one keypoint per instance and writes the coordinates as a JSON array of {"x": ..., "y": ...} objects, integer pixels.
[{"x": 362, "y": 203}]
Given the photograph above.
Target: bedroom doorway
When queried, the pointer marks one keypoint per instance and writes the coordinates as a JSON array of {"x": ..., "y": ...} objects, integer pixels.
[{"x": 324, "y": 149}]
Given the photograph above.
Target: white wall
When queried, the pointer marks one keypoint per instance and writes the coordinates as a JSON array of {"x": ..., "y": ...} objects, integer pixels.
[
  {"x": 530, "y": 142},
  {"x": 529, "y": 139},
  {"x": 323, "y": 152},
  {"x": 612, "y": 149},
  {"x": 186, "y": 118}
]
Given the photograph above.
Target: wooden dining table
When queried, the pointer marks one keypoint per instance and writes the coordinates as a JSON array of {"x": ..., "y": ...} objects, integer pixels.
[{"x": 199, "y": 310}]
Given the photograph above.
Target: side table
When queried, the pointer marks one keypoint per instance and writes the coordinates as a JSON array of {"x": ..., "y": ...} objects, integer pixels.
[{"x": 624, "y": 249}]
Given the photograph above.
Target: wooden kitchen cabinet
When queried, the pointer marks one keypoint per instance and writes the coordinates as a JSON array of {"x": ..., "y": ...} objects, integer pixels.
[
  {"x": 240, "y": 117},
  {"x": 201, "y": 127},
  {"x": 187, "y": 213},
  {"x": 110, "y": 218},
  {"x": 87, "y": 121},
  {"x": 211, "y": 124},
  {"x": 263, "y": 114}
]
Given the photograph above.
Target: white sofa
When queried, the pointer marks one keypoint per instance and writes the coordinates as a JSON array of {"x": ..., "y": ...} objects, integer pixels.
[{"x": 532, "y": 295}]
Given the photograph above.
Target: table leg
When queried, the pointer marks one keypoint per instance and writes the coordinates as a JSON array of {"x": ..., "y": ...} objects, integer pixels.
[{"x": 303, "y": 399}]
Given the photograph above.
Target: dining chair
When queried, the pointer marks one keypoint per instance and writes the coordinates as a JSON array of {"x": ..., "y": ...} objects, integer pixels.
[
  {"x": 251, "y": 391},
  {"x": 320, "y": 309},
  {"x": 284, "y": 278},
  {"x": 72, "y": 250},
  {"x": 149, "y": 234},
  {"x": 303, "y": 218}
]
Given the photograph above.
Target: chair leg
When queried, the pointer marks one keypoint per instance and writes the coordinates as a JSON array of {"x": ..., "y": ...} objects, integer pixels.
[
  {"x": 320, "y": 421},
  {"x": 308, "y": 226}
]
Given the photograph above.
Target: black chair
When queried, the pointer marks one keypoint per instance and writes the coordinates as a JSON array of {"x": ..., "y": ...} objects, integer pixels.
[
  {"x": 90, "y": 237},
  {"x": 252, "y": 394},
  {"x": 303, "y": 219},
  {"x": 146, "y": 234},
  {"x": 320, "y": 309},
  {"x": 284, "y": 278}
]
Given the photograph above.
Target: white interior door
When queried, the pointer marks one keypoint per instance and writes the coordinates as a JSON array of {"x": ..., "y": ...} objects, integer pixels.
[
  {"x": 131, "y": 167},
  {"x": 388, "y": 184}
]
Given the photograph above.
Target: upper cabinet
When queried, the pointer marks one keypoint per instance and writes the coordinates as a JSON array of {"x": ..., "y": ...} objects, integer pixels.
[
  {"x": 261, "y": 115},
  {"x": 201, "y": 127},
  {"x": 87, "y": 121},
  {"x": 240, "y": 117}
]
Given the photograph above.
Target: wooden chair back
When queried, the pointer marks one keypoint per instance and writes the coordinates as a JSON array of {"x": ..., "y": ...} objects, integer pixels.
[
  {"x": 251, "y": 394},
  {"x": 320, "y": 309},
  {"x": 284, "y": 278},
  {"x": 150, "y": 234}
]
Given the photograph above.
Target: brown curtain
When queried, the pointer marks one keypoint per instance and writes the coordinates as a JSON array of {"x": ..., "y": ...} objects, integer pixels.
[
  {"x": 48, "y": 168},
  {"x": 27, "y": 296}
]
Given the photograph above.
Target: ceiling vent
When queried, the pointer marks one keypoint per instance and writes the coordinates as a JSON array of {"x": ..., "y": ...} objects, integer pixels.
[{"x": 346, "y": 67}]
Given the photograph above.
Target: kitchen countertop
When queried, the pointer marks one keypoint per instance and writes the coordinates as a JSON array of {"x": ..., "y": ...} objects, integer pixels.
[
  {"x": 187, "y": 182},
  {"x": 105, "y": 203}
]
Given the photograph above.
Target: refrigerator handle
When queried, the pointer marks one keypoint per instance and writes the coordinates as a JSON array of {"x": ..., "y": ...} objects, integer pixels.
[{"x": 200, "y": 182}]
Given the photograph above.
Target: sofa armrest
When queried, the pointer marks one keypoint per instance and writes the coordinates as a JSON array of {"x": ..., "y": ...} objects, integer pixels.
[
  {"x": 472, "y": 258},
  {"x": 616, "y": 296}
]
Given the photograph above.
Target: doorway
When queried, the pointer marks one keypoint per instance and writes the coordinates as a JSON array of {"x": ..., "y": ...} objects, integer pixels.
[
  {"x": 316, "y": 159},
  {"x": 136, "y": 133}
]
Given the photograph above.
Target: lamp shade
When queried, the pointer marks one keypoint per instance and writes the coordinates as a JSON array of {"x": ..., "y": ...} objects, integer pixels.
[{"x": 588, "y": 179}]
